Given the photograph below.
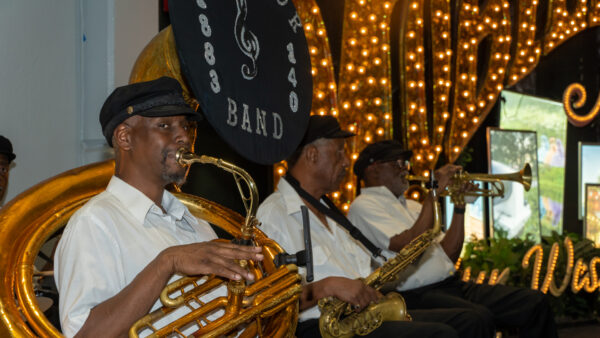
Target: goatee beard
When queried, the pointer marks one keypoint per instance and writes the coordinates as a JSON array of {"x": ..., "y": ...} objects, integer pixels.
[{"x": 177, "y": 178}]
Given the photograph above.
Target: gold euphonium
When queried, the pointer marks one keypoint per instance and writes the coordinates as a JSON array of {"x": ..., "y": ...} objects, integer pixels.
[
  {"x": 338, "y": 318},
  {"x": 276, "y": 290},
  {"x": 496, "y": 188}
]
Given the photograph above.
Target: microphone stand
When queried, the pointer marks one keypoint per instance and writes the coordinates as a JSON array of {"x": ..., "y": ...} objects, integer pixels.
[{"x": 302, "y": 257}]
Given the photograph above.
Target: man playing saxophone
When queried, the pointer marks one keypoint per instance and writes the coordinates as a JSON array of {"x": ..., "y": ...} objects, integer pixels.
[
  {"x": 315, "y": 169},
  {"x": 390, "y": 221},
  {"x": 119, "y": 250}
]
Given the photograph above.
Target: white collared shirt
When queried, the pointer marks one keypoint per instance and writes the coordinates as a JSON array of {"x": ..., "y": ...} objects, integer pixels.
[
  {"x": 335, "y": 252},
  {"x": 110, "y": 240},
  {"x": 379, "y": 215}
]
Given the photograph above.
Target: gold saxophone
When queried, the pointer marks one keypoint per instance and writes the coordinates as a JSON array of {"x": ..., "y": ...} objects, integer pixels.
[
  {"x": 338, "y": 318},
  {"x": 274, "y": 290}
]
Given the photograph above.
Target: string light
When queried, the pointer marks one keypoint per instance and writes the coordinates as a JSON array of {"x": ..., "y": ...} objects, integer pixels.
[
  {"x": 537, "y": 265},
  {"x": 453, "y": 110}
]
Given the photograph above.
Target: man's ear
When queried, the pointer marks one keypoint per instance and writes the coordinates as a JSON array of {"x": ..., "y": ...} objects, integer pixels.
[
  {"x": 311, "y": 153},
  {"x": 371, "y": 173},
  {"x": 122, "y": 136}
]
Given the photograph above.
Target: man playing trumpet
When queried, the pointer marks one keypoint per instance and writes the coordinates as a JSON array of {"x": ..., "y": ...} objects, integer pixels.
[
  {"x": 315, "y": 169},
  {"x": 390, "y": 221},
  {"x": 119, "y": 250}
]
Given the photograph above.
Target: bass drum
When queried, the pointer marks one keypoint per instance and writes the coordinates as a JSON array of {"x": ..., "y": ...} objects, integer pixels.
[{"x": 36, "y": 214}]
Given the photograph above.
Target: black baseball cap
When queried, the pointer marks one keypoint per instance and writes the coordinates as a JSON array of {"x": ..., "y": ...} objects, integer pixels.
[
  {"x": 323, "y": 126},
  {"x": 156, "y": 98},
  {"x": 381, "y": 151},
  {"x": 6, "y": 148}
]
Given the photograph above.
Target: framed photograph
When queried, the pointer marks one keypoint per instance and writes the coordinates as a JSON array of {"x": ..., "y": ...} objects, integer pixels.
[
  {"x": 589, "y": 162},
  {"x": 591, "y": 223},
  {"x": 547, "y": 118},
  {"x": 517, "y": 213}
]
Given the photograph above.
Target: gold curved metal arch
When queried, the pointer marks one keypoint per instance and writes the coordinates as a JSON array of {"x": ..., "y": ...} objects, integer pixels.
[
  {"x": 33, "y": 216},
  {"x": 159, "y": 58},
  {"x": 577, "y": 93}
]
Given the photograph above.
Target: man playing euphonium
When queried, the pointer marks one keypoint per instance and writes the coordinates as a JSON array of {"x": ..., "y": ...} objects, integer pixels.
[{"x": 121, "y": 248}]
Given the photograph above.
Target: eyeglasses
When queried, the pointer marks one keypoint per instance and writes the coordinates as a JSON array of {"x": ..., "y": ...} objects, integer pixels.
[{"x": 402, "y": 164}]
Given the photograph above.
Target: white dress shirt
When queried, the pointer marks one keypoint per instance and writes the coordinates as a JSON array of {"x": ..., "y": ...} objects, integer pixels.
[
  {"x": 110, "y": 240},
  {"x": 379, "y": 215},
  {"x": 335, "y": 252}
]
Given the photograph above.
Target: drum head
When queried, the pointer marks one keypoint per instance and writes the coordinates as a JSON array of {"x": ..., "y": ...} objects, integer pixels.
[{"x": 248, "y": 65}]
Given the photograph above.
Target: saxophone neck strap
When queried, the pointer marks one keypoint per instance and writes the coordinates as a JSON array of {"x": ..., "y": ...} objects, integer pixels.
[{"x": 331, "y": 211}]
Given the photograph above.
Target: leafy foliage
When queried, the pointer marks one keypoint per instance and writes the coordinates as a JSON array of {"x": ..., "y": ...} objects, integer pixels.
[{"x": 501, "y": 252}]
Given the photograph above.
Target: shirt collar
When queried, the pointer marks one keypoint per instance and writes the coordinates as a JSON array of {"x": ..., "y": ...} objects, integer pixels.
[
  {"x": 173, "y": 206},
  {"x": 139, "y": 204},
  {"x": 292, "y": 200}
]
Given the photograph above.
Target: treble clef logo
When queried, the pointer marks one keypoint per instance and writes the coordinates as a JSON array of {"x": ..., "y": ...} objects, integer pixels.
[{"x": 246, "y": 40}]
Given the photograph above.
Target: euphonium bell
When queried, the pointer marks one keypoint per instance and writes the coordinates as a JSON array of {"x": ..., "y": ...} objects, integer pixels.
[{"x": 496, "y": 188}]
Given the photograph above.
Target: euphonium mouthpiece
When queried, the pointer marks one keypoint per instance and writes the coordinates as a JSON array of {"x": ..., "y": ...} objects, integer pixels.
[{"x": 183, "y": 157}]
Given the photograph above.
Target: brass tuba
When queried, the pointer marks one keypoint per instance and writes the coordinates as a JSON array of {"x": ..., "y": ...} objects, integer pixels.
[{"x": 36, "y": 214}]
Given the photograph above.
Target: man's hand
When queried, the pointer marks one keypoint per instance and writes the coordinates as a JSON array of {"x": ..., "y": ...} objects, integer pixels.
[
  {"x": 213, "y": 257},
  {"x": 466, "y": 187},
  {"x": 444, "y": 174},
  {"x": 352, "y": 291}
]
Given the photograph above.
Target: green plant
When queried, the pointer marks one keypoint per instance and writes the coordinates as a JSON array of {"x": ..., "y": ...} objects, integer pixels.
[{"x": 501, "y": 252}]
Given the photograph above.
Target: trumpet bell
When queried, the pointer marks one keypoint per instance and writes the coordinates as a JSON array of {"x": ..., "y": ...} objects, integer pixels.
[{"x": 525, "y": 177}]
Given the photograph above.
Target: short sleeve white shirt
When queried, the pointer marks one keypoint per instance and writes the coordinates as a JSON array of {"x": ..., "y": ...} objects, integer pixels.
[
  {"x": 110, "y": 240},
  {"x": 335, "y": 252},
  {"x": 380, "y": 215}
]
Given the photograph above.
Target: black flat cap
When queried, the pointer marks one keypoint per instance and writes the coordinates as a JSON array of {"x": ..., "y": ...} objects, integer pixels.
[
  {"x": 323, "y": 126},
  {"x": 156, "y": 98},
  {"x": 6, "y": 148},
  {"x": 381, "y": 151}
]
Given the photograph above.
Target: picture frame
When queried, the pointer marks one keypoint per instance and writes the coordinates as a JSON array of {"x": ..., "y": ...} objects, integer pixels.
[
  {"x": 588, "y": 162},
  {"x": 591, "y": 221},
  {"x": 517, "y": 213},
  {"x": 547, "y": 118}
]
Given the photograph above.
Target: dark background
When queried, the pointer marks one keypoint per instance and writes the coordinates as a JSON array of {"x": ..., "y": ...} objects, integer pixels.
[{"x": 576, "y": 60}]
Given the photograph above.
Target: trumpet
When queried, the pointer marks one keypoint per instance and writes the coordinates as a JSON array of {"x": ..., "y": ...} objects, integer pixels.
[{"x": 496, "y": 186}]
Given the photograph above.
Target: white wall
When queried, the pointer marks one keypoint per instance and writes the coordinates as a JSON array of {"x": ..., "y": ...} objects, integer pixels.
[{"x": 53, "y": 82}]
